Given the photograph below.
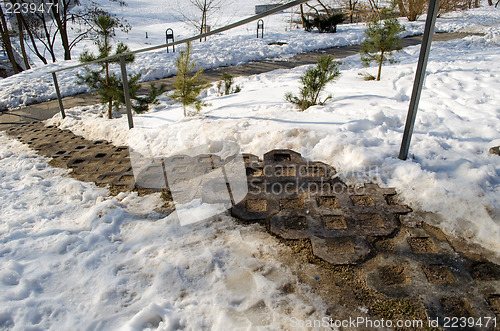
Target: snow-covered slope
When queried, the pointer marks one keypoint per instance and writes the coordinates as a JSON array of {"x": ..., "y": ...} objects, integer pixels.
[
  {"x": 232, "y": 47},
  {"x": 359, "y": 131}
]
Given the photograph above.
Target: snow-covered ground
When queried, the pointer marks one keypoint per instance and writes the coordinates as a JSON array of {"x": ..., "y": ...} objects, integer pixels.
[
  {"x": 235, "y": 46},
  {"x": 359, "y": 131},
  {"x": 72, "y": 256}
]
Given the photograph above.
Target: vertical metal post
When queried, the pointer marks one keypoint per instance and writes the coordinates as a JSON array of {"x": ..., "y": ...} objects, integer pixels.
[
  {"x": 419, "y": 77},
  {"x": 58, "y": 93},
  {"x": 260, "y": 26},
  {"x": 169, "y": 35},
  {"x": 126, "y": 92}
]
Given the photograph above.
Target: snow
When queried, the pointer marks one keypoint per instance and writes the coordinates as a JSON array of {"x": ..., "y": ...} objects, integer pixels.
[
  {"x": 73, "y": 256},
  {"x": 229, "y": 48},
  {"x": 450, "y": 175}
]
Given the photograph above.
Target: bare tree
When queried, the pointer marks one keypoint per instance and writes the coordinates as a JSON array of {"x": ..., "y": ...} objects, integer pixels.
[
  {"x": 200, "y": 13},
  {"x": 4, "y": 31},
  {"x": 446, "y": 6},
  {"x": 64, "y": 11},
  {"x": 60, "y": 13},
  {"x": 322, "y": 16},
  {"x": 21, "y": 41},
  {"x": 411, "y": 9},
  {"x": 47, "y": 21},
  {"x": 26, "y": 23},
  {"x": 351, "y": 6}
]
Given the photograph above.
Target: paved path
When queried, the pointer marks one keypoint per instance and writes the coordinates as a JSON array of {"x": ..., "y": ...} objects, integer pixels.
[
  {"x": 349, "y": 245},
  {"x": 45, "y": 110}
]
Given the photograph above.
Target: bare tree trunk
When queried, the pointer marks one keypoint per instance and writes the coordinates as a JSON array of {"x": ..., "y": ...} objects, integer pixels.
[
  {"x": 6, "y": 42},
  {"x": 302, "y": 16},
  {"x": 31, "y": 36},
  {"x": 351, "y": 12},
  {"x": 375, "y": 8},
  {"x": 380, "y": 65},
  {"x": 50, "y": 44},
  {"x": 21, "y": 42},
  {"x": 33, "y": 42},
  {"x": 62, "y": 25}
]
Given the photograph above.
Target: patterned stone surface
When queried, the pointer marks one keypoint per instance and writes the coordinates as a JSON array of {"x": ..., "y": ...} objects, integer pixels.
[
  {"x": 296, "y": 199},
  {"x": 301, "y": 199},
  {"x": 423, "y": 264},
  {"x": 92, "y": 161}
]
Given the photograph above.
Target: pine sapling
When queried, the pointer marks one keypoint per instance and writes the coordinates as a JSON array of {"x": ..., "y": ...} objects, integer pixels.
[
  {"x": 381, "y": 40},
  {"x": 188, "y": 86},
  {"x": 102, "y": 80},
  {"x": 225, "y": 86},
  {"x": 314, "y": 82},
  {"x": 141, "y": 104},
  {"x": 106, "y": 84}
]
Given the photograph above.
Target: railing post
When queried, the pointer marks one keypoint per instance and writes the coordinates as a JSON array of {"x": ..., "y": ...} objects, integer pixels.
[
  {"x": 58, "y": 93},
  {"x": 419, "y": 77},
  {"x": 126, "y": 92}
]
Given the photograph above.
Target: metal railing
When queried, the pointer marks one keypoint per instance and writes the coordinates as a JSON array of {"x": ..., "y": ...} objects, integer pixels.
[
  {"x": 418, "y": 82},
  {"x": 153, "y": 48}
]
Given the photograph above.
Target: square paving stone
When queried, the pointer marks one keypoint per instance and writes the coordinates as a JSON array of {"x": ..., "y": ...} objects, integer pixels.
[
  {"x": 394, "y": 275},
  {"x": 482, "y": 271},
  {"x": 256, "y": 205},
  {"x": 385, "y": 246},
  {"x": 328, "y": 202},
  {"x": 422, "y": 245},
  {"x": 291, "y": 204},
  {"x": 282, "y": 157},
  {"x": 334, "y": 222},
  {"x": 362, "y": 200},
  {"x": 438, "y": 274},
  {"x": 370, "y": 220},
  {"x": 456, "y": 307},
  {"x": 255, "y": 172},
  {"x": 340, "y": 246}
]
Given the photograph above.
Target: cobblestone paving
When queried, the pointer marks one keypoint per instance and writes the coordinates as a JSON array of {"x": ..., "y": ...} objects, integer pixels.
[
  {"x": 91, "y": 161},
  {"x": 298, "y": 199},
  {"x": 421, "y": 262}
]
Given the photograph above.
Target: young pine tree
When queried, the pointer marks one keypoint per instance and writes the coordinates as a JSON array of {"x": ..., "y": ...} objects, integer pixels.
[
  {"x": 314, "y": 81},
  {"x": 381, "y": 40},
  {"x": 225, "y": 86},
  {"x": 188, "y": 86},
  {"x": 107, "y": 85}
]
